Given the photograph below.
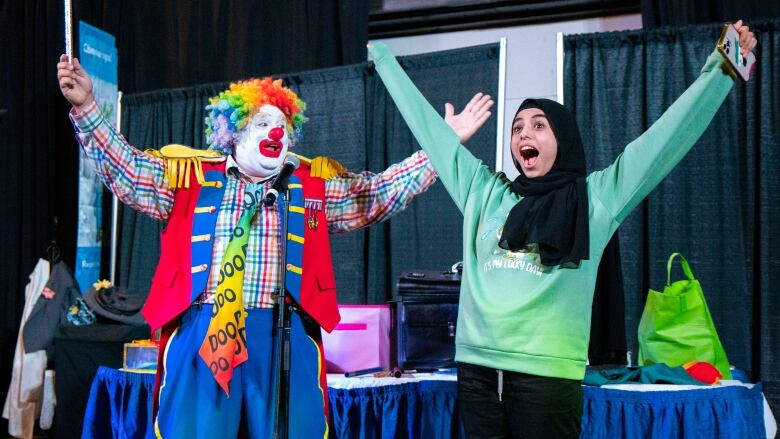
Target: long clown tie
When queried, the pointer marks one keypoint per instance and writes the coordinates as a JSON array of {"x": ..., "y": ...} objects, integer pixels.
[{"x": 224, "y": 346}]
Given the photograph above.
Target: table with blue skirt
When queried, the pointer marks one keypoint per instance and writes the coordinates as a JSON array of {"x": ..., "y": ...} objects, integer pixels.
[{"x": 425, "y": 406}]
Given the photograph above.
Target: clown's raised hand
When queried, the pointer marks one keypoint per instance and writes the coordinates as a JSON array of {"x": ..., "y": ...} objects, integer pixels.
[
  {"x": 471, "y": 119},
  {"x": 75, "y": 83}
]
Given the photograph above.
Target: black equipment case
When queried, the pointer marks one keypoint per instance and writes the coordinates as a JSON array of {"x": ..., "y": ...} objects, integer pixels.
[{"x": 426, "y": 314}]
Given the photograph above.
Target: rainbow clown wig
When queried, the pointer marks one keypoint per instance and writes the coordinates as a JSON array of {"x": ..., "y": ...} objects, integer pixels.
[{"x": 229, "y": 112}]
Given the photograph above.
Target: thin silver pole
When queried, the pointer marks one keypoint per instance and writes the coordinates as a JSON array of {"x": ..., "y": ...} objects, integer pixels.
[
  {"x": 115, "y": 204},
  {"x": 500, "y": 106},
  {"x": 68, "y": 30}
]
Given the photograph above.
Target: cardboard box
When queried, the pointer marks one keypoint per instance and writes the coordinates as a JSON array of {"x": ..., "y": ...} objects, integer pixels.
[{"x": 361, "y": 340}]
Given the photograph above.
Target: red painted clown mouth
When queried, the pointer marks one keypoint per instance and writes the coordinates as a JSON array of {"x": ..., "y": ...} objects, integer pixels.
[{"x": 270, "y": 148}]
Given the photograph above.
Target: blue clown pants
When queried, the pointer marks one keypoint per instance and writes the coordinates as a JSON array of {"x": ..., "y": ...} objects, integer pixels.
[{"x": 192, "y": 405}]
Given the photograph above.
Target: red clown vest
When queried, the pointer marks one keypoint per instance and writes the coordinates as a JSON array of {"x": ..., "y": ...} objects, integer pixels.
[{"x": 172, "y": 293}]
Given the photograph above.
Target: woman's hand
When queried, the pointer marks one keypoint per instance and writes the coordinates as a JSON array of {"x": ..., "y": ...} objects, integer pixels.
[
  {"x": 471, "y": 119},
  {"x": 747, "y": 41}
]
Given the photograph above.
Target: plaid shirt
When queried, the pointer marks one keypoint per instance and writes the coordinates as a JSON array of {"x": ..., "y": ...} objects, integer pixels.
[{"x": 352, "y": 200}]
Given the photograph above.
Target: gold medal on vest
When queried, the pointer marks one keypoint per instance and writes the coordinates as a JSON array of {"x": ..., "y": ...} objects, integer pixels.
[{"x": 313, "y": 207}]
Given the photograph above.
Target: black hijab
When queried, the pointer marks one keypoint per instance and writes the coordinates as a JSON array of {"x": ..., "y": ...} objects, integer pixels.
[{"x": 553, "y": 214}]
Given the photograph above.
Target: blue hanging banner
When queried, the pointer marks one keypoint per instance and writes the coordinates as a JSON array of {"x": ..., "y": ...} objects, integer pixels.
[{"x": 98, "y": 56}]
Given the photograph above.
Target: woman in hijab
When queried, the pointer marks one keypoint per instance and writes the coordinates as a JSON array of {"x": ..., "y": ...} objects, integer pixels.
[{"x": 532, "y": 246}]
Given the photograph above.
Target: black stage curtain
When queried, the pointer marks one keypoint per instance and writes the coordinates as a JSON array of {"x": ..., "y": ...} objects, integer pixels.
[
  {"x": 352, "y": 120},
  {"x": 161, "y": 44},
  {"x": 719, "y": 207},
  {"x": 658, "y": 13},
  {"x": 39, "y": 169},
  {"x": 178, "y": 43}
]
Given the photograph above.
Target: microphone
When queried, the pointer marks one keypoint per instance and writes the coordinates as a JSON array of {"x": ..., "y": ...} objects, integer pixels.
[{"x": 291, "y": 163}]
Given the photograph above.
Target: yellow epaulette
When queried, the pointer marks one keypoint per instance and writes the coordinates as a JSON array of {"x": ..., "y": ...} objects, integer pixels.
[
  {"x": 323, "y": 167},
  {"x": 180, "y": 160}
]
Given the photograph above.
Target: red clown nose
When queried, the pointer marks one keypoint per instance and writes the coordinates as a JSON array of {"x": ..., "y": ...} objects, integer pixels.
[{"x": 276, "y": 133}]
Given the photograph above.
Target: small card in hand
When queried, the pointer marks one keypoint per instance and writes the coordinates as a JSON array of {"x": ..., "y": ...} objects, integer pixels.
[{"x": 728, "y": 46}]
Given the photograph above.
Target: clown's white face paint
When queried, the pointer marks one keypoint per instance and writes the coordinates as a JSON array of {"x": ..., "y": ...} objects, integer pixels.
[{"x": 264, "y": 143}]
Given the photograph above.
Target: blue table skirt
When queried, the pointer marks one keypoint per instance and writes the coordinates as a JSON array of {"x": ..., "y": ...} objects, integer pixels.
[
  {"x": 724, "y": 412},
  {"x": 120, "y": 407},
  {"x": 425, "y": 409}
]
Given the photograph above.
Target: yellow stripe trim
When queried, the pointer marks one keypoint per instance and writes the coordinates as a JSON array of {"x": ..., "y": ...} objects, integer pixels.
[
  {"x": 181, "y": 171},
  {"x": 319, "y": 382},
  {"x": 217, "y": 184},
  {"x": 199, "y": 238},
  {"x": 295, "y": 186},
  {"x": 297, "y": 209},
  {"x": 294, "y": 269},
  {"x": 157, "y": 432},
  {"x": 206, "y": 209},
  {"x": 187, "y": 174},
  {"x": 199, "y": 268},
  {"x": 302, "y": 158},
  {"x": 199, "y": 171},
  {"x": 296, "y": 238}
]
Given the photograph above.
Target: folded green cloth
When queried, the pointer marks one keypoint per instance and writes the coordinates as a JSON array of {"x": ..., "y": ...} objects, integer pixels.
[{"x": 658, "y": 373}]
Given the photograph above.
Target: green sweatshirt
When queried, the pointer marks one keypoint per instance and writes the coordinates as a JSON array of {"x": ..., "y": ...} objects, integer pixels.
[{"x": 515, "y": 313}]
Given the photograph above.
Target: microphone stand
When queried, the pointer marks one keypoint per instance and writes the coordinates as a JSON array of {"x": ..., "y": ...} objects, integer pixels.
[{"x": 282, "y": 345}]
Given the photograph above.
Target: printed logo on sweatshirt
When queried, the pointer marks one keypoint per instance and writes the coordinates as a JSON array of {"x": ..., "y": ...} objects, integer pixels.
[
  {"x": 526, "y": 259},
  {"x": 518, "y": 260}
]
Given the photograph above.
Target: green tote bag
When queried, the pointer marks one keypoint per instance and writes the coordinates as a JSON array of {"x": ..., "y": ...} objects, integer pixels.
[{"x": 676, "y": 325}]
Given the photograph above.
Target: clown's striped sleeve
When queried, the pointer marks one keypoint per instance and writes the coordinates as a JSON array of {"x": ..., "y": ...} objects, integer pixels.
[
  {"x": 135, "y": 177},
  {"x": 353, "y": 201}
]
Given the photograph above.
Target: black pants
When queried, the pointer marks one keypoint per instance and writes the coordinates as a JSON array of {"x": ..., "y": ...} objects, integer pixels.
[{"x": 529, "y": 406}]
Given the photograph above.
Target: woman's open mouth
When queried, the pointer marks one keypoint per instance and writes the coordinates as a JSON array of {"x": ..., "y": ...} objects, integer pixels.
[{"x": 528, "y": 154}]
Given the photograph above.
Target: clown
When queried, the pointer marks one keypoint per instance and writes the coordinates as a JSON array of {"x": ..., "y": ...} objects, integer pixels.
[
  {"x": 255, "y": 121},
  {"x": 217, "y": 279}
]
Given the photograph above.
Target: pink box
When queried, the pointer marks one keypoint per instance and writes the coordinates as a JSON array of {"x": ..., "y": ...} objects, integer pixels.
[{"x": 360, "y": 341}]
